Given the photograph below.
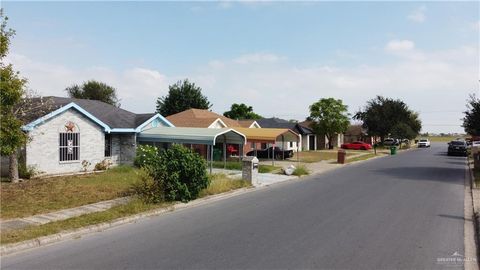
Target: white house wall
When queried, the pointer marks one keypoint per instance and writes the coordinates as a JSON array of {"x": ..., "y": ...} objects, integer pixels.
[{"x": 42, "y": 152}]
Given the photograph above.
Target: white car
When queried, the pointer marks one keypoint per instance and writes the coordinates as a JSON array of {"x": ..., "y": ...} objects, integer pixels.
[
  {"x": 423, "y": 143},
  {"x": 476, "y": 144}
]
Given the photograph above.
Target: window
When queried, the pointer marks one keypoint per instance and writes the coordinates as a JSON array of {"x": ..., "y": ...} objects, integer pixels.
[
  {"x": 69, "y": 143},
  {"x": 252, "y": 145},
  {"x": 264, "y": 146},
  {"x": 108, "y": 145},
  {"x": 291, "y": 144}
]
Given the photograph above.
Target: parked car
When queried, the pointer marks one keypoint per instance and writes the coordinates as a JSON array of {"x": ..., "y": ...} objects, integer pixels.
[
  {"x": 357, "y": 146},
  {"x": 268, "y": 152},
  {"x": 476, "y": 144},
  {"x": 390, "y": 142},
  {"x": 423, "y": 143},
  {"x": 457, "y": 148}
]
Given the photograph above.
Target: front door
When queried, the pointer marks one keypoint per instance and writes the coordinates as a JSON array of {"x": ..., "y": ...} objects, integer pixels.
[{"x": 311, "y": 142}]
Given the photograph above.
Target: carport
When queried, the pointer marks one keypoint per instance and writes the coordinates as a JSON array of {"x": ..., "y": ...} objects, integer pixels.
[
  {"x": 270, "y": 135},
  {"x": 202, "y": 136}
]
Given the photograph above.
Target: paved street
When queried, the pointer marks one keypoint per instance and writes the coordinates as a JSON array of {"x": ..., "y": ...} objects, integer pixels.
[{"x": 400, "y": 212}]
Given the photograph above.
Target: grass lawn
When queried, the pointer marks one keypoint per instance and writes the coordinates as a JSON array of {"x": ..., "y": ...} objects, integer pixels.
[
  {"x": 235, "y": 165},
  {"x": 442, "y": 138},
  {"x": 50, "y": 194},
  {"x": 219, "y": 184},
  {"x": 317, "y": 156},
  {"x": 365, "y": 157}
]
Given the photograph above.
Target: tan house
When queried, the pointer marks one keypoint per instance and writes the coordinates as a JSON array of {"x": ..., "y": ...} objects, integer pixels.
[{"x": 207, "y": 119}]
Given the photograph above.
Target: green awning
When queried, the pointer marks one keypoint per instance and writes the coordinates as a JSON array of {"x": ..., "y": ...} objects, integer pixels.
[{"x": 208, "y": 136}]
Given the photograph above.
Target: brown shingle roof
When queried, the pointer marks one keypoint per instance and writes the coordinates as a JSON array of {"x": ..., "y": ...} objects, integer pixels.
[
  {"x": 245, "y": 123},
  {"x": 199, "y": 118}
]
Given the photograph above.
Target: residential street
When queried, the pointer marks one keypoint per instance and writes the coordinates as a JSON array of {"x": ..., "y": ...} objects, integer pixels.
[{"x": 398, "y": 212}]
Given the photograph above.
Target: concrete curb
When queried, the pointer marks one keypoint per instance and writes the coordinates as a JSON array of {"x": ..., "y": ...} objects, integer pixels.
[
  {"x": 471, "y": 224},
  {"x": 71, "y": 234}
]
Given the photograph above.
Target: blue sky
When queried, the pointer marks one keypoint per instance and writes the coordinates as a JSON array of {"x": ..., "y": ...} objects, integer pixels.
[{"x": 265, "y": 54}]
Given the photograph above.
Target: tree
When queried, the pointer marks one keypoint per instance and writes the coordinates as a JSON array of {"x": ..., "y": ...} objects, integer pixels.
[
  {"x": 182, "y": 96},
  {"x": 330, "y": 117},
  {"x": 241, "y": 112},
  {"x": 17, "y": 104},
  {"x": 471, "y": 121},
  {"x": 385, "y": 117},
  {"x": 94, "y": 90}
]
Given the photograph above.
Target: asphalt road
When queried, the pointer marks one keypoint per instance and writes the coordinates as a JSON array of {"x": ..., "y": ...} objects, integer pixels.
[{"x": 399, "y": 212}]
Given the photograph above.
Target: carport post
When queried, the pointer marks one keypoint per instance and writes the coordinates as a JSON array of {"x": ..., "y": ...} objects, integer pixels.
[
  {"x": 211, "y": 158},
  {"x": 273, "y": 155},
  {"x": 297, "y": 152},
  {"x": 224, "y": 152}
]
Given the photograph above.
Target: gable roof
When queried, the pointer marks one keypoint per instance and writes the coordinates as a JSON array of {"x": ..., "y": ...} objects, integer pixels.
[
  {"x": 199, "y": 118},
  {"x": 106, "y": 115},
  {"x": 282, "y": 123},
  {"x": 247, "y": 123}
]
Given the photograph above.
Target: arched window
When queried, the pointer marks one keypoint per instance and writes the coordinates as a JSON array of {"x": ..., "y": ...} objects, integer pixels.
[{"x": 69, "y": 142}]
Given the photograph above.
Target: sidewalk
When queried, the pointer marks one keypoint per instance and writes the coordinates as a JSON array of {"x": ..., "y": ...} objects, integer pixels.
[{"x": 40, "y": 219}]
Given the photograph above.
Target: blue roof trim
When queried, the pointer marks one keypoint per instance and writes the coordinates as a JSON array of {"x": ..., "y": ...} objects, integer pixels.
[
  {"x": 156, "y": 116},
  {"x": 30, "y": 126}
]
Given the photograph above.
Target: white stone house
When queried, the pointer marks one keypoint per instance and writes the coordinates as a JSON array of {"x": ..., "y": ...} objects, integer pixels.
[{"x": 76, "y": 134}]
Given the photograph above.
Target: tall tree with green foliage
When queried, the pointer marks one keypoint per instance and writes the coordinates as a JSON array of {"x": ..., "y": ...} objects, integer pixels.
[
  {"x": 241, "y": 112},
  {"x": 12, "y": 90},
  {"x": 182, "y": 96},
  {"x": 329, "y": 117},
  {"x": 94, "y": 90},
  {"x": 385, "y": 117},
  {"x": 18, "y": 104},
  {"x": 471, "y": 120}
]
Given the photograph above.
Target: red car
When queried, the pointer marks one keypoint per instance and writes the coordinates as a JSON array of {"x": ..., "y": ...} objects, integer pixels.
[{"x": 357, "y": 146}]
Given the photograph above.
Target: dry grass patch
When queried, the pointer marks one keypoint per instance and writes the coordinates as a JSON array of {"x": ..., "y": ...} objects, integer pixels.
[
  {"x": 317, "y": 156},
  {"x": 220, "y": 183},
  {"x": 135, "y": 206},
  {"x": 38, "y": 196}
]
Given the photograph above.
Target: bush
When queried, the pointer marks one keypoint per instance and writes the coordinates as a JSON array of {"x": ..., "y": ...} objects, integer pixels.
[
  {"x": 182, "y": 172},
  {"x": 149, "y": 190},
  {"x": 103, "y": 165},
  {"x": 147, "y": 155},
  {"x": 27, "y": 172},
  {"x": 176, "y": 174}
]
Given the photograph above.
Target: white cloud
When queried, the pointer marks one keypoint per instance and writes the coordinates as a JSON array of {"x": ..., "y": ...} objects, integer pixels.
[
  {"x": 426, "y": 80},
  {"x": 136, "y": 87},
  {"x": 399, "y": 45},
  {"x": 258, "y": 58},
  {"x": 418, "y": 15}
]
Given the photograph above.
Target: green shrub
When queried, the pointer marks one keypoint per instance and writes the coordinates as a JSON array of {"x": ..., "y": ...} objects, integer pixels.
[
  {"x": 300, "y": 170},
  {"x": 178, "y": 174},
  {"x": 146, "y": 156},
  {"x": 149, "y": 190},
  {"x": 27, "y": 172}
]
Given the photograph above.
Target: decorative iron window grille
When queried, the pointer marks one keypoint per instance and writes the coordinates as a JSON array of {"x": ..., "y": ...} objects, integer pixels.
[{"x": 69, "y": 143}]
